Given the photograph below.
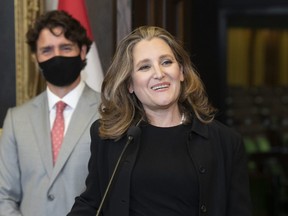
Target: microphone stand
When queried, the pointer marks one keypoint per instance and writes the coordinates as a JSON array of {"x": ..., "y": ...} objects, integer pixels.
[{"x": 130, "y": 138}]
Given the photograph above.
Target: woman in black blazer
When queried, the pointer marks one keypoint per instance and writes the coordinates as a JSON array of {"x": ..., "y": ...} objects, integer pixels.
[{"x": 157, "y": 149}]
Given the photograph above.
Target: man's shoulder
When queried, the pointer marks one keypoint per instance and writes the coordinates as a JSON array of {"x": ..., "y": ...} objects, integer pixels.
[
  {"x": 37, "y": 100},
  {"x": 89, "y": 92},
  {"x": 30, "y": 107}
]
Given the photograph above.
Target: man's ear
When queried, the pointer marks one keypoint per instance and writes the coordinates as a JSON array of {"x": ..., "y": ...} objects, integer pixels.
[
  {"x": 35, "y": 61},
  {"x": 34, "y": 57},
  {"x": 83, "y": 52}
]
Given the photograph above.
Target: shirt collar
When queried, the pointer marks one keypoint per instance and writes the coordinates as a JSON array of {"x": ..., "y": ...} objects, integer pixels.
[
  {"x": 199, "y": 127},
  {"x": 71, "y": 99}
]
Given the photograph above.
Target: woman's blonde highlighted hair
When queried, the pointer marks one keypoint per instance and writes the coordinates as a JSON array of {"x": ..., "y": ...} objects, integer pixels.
[{"x": 120, "y": 109}]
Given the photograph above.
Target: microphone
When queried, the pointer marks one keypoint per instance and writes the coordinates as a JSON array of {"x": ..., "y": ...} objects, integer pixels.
[{"x": 132, "y": 132}]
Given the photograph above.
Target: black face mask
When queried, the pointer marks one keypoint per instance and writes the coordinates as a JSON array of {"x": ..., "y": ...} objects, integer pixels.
[{"x": 60, "y": 70}]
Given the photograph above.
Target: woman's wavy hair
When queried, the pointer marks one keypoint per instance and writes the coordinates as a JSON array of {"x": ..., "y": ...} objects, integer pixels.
[
  {"x": 72, "y": 29},
  {"x": 120, "y": 109}
]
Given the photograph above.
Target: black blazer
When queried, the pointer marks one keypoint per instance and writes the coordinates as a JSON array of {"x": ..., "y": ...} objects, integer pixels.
[{"x": 216, "y": 151}]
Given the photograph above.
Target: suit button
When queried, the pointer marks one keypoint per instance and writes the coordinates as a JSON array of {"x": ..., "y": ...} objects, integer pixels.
[
  {"x": 51, "y": 197},
  {"x": 203, "y": 208},
  {"x": 202, "y": 169}
]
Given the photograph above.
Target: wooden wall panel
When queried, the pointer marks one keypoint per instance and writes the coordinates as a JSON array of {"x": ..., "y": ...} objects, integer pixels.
[
  {"x": 172, "y": 15},
  {"x": 195, "y": 23}
]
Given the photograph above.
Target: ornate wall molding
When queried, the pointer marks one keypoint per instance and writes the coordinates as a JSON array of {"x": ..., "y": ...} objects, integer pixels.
[{"x": 28, "y": 80}]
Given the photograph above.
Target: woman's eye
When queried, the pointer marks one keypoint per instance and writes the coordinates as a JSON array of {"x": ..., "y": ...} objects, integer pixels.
[
  {"x": 166, "y": 62},
  {"x": 144, "y": 67}
]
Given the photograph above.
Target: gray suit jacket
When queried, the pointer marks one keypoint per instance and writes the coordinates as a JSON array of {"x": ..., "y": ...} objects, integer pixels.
[{"x": 29, "y": 184}]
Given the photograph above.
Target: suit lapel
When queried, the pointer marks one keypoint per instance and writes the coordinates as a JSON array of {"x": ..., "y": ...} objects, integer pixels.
[
  {"x": 41, "y": 126},
  {"x": 85, "y": 112},
  {"x": 121, "y": 185}
]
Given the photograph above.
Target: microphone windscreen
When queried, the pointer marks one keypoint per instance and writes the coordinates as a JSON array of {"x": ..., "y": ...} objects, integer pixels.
[{"x": 134, "y": 131}]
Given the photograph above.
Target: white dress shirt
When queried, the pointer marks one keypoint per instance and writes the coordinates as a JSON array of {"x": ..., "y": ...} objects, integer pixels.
[{"x": 71, "y": 99}]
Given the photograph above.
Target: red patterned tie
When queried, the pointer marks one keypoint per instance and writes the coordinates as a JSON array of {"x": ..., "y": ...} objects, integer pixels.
[{"x": 57, "y": 132}]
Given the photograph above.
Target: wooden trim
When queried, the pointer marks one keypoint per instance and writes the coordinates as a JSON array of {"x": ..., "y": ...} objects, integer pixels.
[{"x": 27, "y": 75}]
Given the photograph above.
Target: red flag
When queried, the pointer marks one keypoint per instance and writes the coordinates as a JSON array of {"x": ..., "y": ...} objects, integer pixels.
[
  {"x": 77, "y": 9},
  {"x": 92, "y": 73}
]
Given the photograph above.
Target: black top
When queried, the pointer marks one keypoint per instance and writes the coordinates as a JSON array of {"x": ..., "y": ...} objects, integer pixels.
[
  {"x": 216, "y": 152},
  {"x": 164, "y": 180}
]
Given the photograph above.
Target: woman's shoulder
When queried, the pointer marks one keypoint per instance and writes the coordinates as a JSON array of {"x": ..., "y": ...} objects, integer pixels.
[
  {"x": 214, "y": 126},
  {"x": 96, "y": 124},
  {"x": 218, "y": 125},
  {"x": 226, "y": 135},
  {"x": 94, "y": 129},
  {"x": 217, "y": 131}
]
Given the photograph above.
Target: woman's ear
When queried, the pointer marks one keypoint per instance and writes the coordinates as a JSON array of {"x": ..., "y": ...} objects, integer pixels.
[
  {"x": 182, "y": 73},
  {"x": 130, "y": 88}
]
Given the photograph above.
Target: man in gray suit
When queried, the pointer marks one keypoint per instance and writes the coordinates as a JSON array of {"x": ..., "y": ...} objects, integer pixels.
[{"x": 33, "y": 182}]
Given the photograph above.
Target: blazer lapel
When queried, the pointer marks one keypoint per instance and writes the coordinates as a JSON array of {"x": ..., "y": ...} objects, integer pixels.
[
  {"x": 41, "y": 125},
  {"x": 121, "y": 185},
  {"x": 83, "y": 116}
]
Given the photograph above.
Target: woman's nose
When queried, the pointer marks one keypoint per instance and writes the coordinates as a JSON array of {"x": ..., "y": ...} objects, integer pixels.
[{"x": 159, "y": 73}]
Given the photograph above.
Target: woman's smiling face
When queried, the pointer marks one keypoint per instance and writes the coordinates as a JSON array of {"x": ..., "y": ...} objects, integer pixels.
[{"x": 156, "y": 75}]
